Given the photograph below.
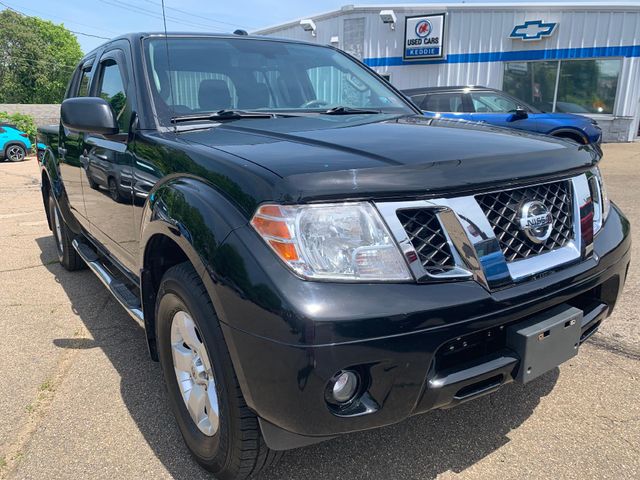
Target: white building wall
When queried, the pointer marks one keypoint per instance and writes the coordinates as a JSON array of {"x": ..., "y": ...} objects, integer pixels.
[{"x": 479, "y": 29}]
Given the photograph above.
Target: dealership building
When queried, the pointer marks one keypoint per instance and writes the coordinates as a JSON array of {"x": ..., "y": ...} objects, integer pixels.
[{"x": 573, "y": 57}]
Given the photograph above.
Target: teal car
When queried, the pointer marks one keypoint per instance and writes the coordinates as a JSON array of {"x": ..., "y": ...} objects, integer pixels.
[{"x": 14, "y": 144}]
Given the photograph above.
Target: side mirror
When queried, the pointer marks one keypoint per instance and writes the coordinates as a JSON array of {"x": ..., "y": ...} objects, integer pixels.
[
  {"x": 88, "y": 114},
  {"x": 520, "y": 114}
]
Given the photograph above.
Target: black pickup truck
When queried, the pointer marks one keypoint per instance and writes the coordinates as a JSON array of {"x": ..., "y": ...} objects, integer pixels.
[{"x": 309, "y": 255}]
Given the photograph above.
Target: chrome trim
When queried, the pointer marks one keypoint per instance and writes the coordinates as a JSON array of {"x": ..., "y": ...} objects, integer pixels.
[
  {"x": 108, "y": 280},
  {"x": 473, "y": 242},
  {"x": 388, "y": 211}
]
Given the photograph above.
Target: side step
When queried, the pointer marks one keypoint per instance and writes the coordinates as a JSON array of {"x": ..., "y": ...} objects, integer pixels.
[{"x": 118, "y": 289}]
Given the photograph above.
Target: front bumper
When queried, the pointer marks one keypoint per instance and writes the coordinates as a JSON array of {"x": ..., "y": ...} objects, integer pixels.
[{"x": 417, "y": 347}]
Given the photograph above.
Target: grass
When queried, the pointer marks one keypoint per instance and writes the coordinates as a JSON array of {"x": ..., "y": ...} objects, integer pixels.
[{"x": 46, "y": 386}]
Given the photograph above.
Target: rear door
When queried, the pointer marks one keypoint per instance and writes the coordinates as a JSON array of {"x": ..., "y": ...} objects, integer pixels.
[{"x": 107, "y": 186}]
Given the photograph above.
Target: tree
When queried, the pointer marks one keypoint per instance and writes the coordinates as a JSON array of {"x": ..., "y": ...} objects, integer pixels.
[{"x": 37, "y": 59}]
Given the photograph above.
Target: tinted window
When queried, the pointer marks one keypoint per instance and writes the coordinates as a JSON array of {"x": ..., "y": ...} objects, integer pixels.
[
  {"x": 85, "y": 81},
  {"x": 208, "y": 74},
  {"x": 489, "y": 102},
  {"x": 112, "y": 90},
  {"x": 443, "y": 102},
  {"x": 579, "y": 86},
  {"x": 589, "y": 85},
  {"x": 532, "y": 82}
]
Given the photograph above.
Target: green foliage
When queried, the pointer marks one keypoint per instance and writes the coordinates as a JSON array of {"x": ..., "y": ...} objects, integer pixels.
[
  {"x": 37, "y": 59},
  {"x": 22, "y": 122}
]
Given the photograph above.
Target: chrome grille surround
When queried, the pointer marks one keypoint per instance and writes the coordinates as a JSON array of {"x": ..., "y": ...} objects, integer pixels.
[
  {"x": 502, "y": 209},
  {"x": 476, "y": 250}
]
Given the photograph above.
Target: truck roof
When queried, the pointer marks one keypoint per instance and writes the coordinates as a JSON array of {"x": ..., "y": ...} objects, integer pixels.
[{"x": 134, "y": 37}]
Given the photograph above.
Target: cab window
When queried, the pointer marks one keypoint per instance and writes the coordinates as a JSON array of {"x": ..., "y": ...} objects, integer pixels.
[
  {"x": 443, "y": 102},
  {"x": 489, "y": 102},
  {"x": 111, "y": 88}
]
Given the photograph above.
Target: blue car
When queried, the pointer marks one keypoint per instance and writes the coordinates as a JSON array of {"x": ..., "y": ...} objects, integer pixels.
[
  {"x": 14, "y": 144},
  {"x": 481, "y": 104}
]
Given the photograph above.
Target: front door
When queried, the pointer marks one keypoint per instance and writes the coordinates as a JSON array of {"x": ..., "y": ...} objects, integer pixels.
[
  {"x": 499, "y": 110},
  {"x": 107, "y": 164},
  {"x": 71, "y": 147}
]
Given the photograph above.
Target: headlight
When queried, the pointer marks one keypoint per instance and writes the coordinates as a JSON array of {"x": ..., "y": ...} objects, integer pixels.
[
  {"x": 601, "y": 203},
  {"x": 345, "y": 241}
]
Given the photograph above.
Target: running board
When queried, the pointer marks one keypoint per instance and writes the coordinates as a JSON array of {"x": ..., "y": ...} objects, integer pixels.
[{"x": 129, "y": 301}]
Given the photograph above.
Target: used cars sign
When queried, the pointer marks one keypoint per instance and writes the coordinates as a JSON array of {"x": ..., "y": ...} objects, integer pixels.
[{"x": 424, "y": 37}]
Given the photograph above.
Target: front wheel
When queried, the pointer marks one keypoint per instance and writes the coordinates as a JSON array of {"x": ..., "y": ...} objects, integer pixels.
[
  {"x": 16, "y": 153},
  {"x": 216, "y": 424}
]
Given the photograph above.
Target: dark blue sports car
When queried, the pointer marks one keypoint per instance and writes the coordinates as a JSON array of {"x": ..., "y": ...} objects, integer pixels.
[{"x": 481, "y": 104}]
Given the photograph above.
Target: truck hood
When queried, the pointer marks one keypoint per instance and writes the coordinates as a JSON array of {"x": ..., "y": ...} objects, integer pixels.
[{"x": 321, "y": 157}]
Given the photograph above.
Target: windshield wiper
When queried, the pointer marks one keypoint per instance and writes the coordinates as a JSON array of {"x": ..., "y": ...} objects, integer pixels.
[
  {"x": 220, "y": 115},
  {"x": 342, "y": 110}
]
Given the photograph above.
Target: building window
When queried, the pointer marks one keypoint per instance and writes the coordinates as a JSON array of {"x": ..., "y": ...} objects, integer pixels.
[
  {"x": 569, "y": 86},
  {"x": 354, "y": 37}
]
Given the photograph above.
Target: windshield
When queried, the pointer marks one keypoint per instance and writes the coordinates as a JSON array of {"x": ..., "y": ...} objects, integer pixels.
[{"x": 208, "y": 74}]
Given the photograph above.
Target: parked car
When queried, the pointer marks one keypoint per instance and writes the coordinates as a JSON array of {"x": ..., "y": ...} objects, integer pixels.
[
  {"x": 481, "y": 104},
  {"x": 14, "y": 143},
  {"x": 309, "y": 254}
]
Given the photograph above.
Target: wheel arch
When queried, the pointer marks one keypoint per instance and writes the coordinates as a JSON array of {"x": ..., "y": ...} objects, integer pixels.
[
  {"x": 184, "y": 219},
  {"x": 45, "y": 188},
  {"x": 571, "y": 133}
]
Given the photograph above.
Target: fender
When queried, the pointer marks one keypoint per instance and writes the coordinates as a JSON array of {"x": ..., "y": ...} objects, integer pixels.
[{"x": 198, "y": 218}]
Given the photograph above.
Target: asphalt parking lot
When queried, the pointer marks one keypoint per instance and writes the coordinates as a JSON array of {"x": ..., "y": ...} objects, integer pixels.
[{"x": 79, "y": 397}]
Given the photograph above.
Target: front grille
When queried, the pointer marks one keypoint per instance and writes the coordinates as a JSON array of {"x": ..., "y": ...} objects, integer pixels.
[
  {"x": 502, "y": 210},
  {"x": 427, "y": 237}
]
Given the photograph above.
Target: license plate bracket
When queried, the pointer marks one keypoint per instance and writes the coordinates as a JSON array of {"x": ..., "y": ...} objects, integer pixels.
[{"x": 545, "y": 341}]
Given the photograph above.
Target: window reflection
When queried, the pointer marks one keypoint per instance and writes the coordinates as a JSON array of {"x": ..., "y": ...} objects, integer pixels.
[{"x": 578, "y": 86}]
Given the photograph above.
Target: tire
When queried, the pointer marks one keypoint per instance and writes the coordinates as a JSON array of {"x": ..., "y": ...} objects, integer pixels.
[
  {"x": 62, "y": 237},
  {"x": 92, "y": 183},
  {"x": 15, "y": 153},
  {"x": 114, "y": 192},
  {"x": 576, "y": 138},
  {"x": 235, "y": 449}
]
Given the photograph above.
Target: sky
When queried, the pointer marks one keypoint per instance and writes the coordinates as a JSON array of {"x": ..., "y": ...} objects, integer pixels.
[{"x": 109, "y": 18}]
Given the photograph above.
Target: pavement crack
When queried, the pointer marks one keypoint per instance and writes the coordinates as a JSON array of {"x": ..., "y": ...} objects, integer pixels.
[
  {"x": 28, "y": 267},
  {"x": 603, "y": 343}
]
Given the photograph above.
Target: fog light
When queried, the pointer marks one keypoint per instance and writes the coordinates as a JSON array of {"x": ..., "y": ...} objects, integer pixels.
[{"x": 345, "y": 386}]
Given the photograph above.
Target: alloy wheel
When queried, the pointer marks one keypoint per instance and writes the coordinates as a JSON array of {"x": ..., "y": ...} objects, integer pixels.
[
  {"x": 194, "y": 373},
  {"x": 15, "y": 153},
  {"x": 57, "y": 228}
]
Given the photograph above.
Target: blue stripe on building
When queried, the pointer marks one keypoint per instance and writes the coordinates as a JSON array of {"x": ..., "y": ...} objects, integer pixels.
[{"x": 513, "y": 56}]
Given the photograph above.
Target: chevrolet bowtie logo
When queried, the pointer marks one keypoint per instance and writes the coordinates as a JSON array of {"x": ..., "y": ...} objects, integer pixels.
[{"x": 533, "y": 30}]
